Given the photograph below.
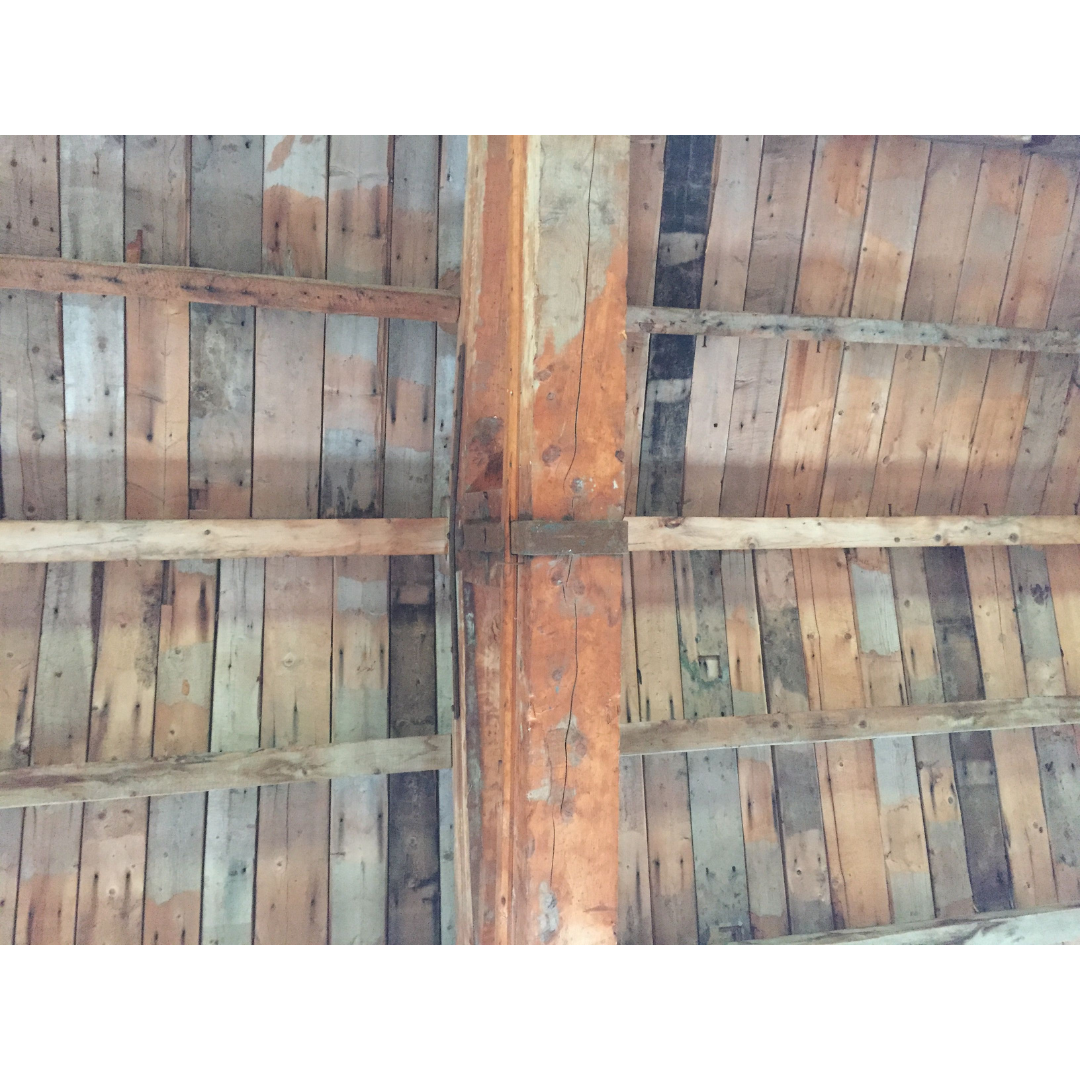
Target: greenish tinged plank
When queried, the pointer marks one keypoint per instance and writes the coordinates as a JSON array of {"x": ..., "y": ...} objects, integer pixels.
[
  {"x": 231, "y": 816},
  {"x": 720, "y": 870},
  {"x": 452, "y": 168},
  {"x": 973, "y": 752},
  {"x": 1059, "y": 760}
]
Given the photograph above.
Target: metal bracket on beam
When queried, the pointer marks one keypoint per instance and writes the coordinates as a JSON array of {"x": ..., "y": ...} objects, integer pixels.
[{"x": 569, "y": 537}]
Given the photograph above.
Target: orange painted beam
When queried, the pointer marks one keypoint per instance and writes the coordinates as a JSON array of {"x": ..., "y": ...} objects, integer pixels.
[{"x": 543, "y": 325}]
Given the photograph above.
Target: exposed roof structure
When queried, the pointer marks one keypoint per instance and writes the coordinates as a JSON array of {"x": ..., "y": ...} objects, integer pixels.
[{"x": 539, "y": 539}]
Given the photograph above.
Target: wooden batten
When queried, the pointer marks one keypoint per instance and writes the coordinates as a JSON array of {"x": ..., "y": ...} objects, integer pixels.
[
  {"x": 748, "y": 324},
  {"x": 104, "y": 541},
  {"x": 195, "y": 285},
  {"x": 43, "y": 785}
]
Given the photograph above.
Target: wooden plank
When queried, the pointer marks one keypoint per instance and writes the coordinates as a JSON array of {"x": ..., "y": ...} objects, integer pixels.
[
  {"x": 413, "y": 913},
  {"x": 229, "y": 862},
  {"x": 771, "y": 285},
  {"x": 1047, "y": 927},
  {"x": 1036, "y": 252},
  {"x": 727, "y": 255},
  {"x": 842, "y": 725},
  {"x": 156, "y": 169},
  {"x": 91, "y": 211},
  {"x": 42, "y": 785},
  {"x": 889, "y": 233},
  {"x": 973, "y": 754},
  {"x": 32, "y": 466},
  {"x": 226, "y": 232},
  {"x": 52, "y": 835},
  {"x": 634, "y": 926},
  {"x": 113, "y": 846},
  {"x": 933, "y": 754},
  {"x": 226, "y": 225},
  {"x": 490, "y": 333},
  {"x": 292, "y": 865},
  {"x": 760, "y": 825},
  {"x": 720, "y": 872},
  {"x": 354, "y": 401},
  {"x": 112, "y": 865},
  {"x": 453, "y": 164},
  {"x": 110, "y": 541},
  {"x": 76, "y": 275},
  {"x": 1057, "y": 750},
  {"x": 798, "y": 794},
  {"x": 679, "y": 273},
  {"x": 176, "y": 828}
]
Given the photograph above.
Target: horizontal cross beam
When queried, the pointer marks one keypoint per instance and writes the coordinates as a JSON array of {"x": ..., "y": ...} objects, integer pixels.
[
  {"x": 41, "y": 784},
  {"x": 761, "y": 533},
  {"x": 197, "y": 286},
  {"x": 104, "y": 541},
  {"x": 695, "y": 322}
]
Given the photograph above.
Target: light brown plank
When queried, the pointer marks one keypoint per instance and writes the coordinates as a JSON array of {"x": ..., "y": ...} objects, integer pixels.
[{"x": 110, "y": 541}]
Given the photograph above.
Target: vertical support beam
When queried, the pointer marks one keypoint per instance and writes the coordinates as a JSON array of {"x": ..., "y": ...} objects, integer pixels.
[{"x": 544, "y": 299}]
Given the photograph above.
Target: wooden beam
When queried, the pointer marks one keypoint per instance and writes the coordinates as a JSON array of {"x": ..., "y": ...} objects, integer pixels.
[
  {"x": 694, "y": 322},
  {"x": 838, "y": 725},
  {"x": 543, "y": 411},
  {"x": 531, "y": 538},
  {"x": 40, "y": 785},
  {"x": 741, "y": 534},
  {"x": 1047, "y": 926},
  {"x": 105, "y": 541},
  {"x": 183, "y": 283}
]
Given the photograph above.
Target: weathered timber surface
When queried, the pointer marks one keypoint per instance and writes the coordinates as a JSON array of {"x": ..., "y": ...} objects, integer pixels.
[
  {"x": 105, "y": 541},
  {"x": 687, "y": 321},
  {"x": 836, "y": 725},
  {"x": 782, "y": 533},
  {"x": 739, "y": 534},
  {"x": 1050, "y": 926},
  {"x": 40, "y": 785},
  {"x": 201, "y": 286}
]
